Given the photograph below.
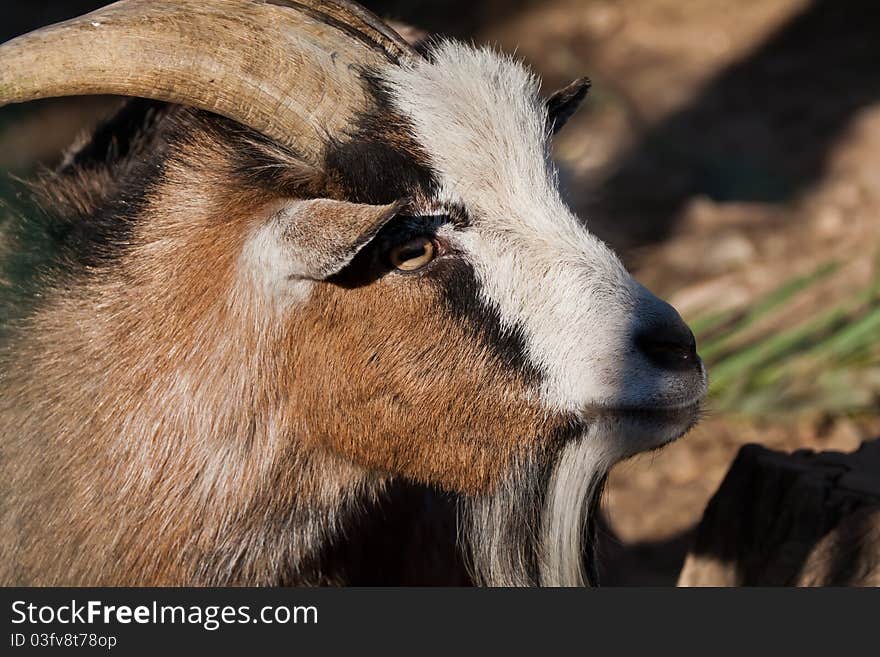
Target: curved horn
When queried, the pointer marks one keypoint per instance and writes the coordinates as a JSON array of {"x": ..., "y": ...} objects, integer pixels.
[{"x": 289, "y": 69}]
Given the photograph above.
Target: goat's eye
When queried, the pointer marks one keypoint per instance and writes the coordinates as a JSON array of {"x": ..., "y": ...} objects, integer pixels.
[{"x": 413, "y": 254}]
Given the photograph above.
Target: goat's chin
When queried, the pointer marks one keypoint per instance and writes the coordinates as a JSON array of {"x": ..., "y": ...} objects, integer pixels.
[
  {"x": 639, "y": 430},
  {"x": 536, "y": 527}
]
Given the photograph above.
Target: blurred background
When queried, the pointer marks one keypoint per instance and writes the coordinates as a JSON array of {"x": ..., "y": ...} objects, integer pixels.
[{"x": 730, "y": 152}]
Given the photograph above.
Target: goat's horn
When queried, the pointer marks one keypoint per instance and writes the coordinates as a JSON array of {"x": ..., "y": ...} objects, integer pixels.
[{"x": 289, "y": 69}]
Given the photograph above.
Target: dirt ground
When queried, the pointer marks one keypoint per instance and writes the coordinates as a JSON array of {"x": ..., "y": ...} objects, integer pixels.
[{"x": 725, "y": 148}]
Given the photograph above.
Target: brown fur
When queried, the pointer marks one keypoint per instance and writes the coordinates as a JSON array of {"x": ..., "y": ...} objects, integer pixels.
[{"x": 164, "y": 424}]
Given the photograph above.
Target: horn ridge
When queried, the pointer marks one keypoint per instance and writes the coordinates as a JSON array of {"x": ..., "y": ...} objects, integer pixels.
[
  {"x": 290, "y": 69},
  {"x": 358, "y": 22}
]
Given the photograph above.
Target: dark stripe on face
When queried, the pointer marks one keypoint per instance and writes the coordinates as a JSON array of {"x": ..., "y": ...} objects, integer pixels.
[
  {"x": 462, "y": 296},
  {"x": 380, "y": 161}
]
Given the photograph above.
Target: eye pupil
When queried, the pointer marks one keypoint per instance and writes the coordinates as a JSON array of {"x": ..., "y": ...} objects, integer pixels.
[{"x": 412, "y": 254}]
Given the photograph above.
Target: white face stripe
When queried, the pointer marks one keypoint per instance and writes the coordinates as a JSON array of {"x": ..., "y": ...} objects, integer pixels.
[
  {"x": 267, "y": 265},
  {"x": 480, "y": 117}
]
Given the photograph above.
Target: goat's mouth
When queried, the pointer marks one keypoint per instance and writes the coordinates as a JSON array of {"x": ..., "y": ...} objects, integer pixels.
[
  {"x": 640, "y": 429},
  {"x": 688, "y": 414}
]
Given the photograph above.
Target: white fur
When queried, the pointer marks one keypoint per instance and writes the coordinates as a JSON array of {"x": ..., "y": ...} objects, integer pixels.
[
  {"x": 580, "y": 469},
  {"x": 480, "y": 117},
  {"x": 268, "y": 265}
]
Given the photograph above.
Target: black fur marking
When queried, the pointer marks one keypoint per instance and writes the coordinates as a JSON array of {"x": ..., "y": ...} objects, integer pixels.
[
  {"x": 407, "y": 519},
  {"x": 118, "y": 136},
  {"x": 264, "y": 164},
  {"x": 458, "y": 216},
  {"x": 93, "y": 201},
  {"x": 465, "y": 303},
  {"x": 103, "y": 236},
  {"x": 381, "y": 161}
]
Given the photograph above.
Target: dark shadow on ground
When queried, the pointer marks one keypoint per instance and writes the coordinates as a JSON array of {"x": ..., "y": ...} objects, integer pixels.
[
  {"x": 648, "y": 563},
  {"x": 760, "y": 131}
]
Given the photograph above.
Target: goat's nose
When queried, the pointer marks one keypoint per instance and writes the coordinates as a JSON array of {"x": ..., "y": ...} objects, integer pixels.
[{"x": 667, "y": 341}]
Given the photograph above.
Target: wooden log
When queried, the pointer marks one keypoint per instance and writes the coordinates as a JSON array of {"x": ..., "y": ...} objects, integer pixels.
[{"x": 801, "y": 519}]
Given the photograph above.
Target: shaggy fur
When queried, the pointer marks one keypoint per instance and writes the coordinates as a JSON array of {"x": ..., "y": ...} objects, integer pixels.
[{"x": 222, "y": 380}]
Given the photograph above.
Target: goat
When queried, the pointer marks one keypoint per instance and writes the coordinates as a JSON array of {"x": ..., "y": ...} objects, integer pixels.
[{"x": 315, "y": 307}]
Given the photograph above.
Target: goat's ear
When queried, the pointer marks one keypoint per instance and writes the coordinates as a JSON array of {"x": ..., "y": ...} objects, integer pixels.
[
  {"x": 319, "y": 237},
  {"x": 562, "y": 104}
]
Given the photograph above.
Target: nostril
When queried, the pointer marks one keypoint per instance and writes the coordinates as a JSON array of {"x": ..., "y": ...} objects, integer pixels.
[{"x": 669, "y": 346}]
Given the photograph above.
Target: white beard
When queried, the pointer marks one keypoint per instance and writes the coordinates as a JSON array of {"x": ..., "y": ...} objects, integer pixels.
[{"x": 535, "y": 528}]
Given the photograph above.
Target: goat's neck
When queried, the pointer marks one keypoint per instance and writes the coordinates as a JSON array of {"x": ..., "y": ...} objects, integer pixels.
[{"x": 179, "y": 464}]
